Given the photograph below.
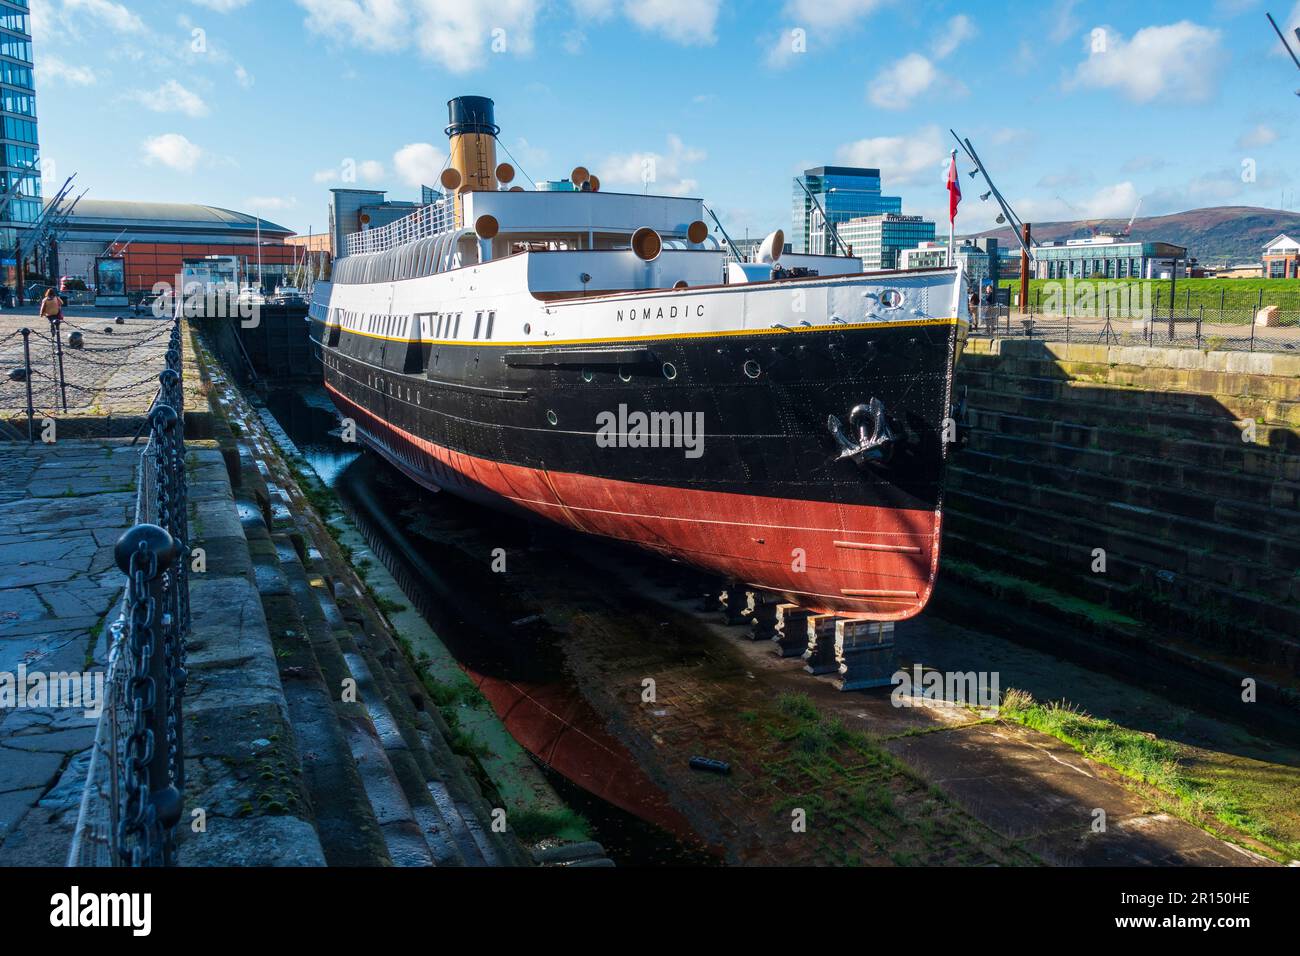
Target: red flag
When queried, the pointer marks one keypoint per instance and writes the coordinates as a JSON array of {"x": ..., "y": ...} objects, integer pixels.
[{"x": 954, "y": 190}]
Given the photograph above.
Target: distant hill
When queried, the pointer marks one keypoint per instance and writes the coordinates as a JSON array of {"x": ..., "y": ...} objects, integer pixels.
[{"x": 1219, "y": 235}]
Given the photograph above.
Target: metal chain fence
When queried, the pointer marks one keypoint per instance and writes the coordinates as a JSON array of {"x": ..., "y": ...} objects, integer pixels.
[
  {"x": 77, "y": 364},
  {"x": 136, "y": 781}
]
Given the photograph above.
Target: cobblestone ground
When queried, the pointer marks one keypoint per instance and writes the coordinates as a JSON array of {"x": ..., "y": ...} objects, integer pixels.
[
  {"x": 115, "y": 371},
  {"x": 62, "y": 508}
]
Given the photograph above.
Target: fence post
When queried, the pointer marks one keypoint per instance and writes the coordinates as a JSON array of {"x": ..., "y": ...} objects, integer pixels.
[
  {"x": 1199, "y": 320},
  {"x": 57, "y": 336},
  {"x": 152, "y": 804},
  {"x": 27, "y": 375},
  {"x": 1223, "y": 295}
]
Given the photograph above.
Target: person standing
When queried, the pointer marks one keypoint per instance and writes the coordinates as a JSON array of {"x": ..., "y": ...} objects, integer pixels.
[{"x": 52, "y": 306}]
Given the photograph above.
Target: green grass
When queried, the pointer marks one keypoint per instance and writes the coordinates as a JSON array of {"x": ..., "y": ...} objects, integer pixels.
[
  {"x": 861, "y": 802},
  {"x": 1235, "y": 294},
  {"x": 1229, "y": 792}
]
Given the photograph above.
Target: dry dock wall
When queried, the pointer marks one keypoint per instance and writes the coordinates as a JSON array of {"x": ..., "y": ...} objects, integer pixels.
[{"x": 1179, "y": 468}]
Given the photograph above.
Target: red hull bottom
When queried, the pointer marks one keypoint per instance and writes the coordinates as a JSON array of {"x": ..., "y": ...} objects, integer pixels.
[{"x": 870, "y": 562}]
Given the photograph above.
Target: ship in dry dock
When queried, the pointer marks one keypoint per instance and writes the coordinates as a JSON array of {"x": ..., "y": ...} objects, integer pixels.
[{"x": 599, "y": 360}]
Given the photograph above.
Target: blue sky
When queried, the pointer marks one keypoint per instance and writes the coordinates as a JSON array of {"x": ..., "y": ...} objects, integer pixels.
[{"x": 1079, "y": 109}]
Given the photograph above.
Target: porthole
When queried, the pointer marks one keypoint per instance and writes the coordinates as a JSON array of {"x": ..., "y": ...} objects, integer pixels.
[
  {"x": 553, "y": 418},
  {"x": 624, "y": 376},
  {"x": 891, "y": 299},
  {"x": 528, "y": 327},
  {"x": 752, "y": 368},
  {"x": 670, "y": 371}
]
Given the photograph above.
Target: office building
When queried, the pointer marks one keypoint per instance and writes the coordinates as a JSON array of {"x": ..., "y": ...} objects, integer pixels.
[
  {"x": 1282, "y": 258},
  {"x": 1109, "y": 257},
  {"x": 827, "y": 196},
  {"x": 979, "y": 258},
  {"x": 20, "y": 197},
  {"x": 878, "y": 240}
]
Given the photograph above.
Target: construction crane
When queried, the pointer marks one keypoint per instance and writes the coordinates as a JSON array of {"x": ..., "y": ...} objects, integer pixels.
[{"x": 1128, "y": 230}]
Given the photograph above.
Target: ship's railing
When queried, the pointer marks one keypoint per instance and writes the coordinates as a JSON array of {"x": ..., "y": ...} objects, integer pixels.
[{"x": 439, "y": 216}]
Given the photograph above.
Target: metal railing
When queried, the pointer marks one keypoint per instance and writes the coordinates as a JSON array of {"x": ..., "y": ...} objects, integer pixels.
[
  {"x": 1200, "y": 328},
  {"x": 136, "y": 780},
  {"x": 430, "y": 220}
]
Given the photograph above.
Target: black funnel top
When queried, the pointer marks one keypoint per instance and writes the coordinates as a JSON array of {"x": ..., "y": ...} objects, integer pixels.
[{"x": 471, "y": 114}]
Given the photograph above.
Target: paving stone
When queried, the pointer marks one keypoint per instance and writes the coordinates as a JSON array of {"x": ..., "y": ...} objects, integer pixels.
[
  {"x": 20, "y": 770},
  {"x": 14, "y": 806}
]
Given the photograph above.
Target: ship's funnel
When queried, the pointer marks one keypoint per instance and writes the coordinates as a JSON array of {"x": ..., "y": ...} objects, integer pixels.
[
  {"x": 471, "y": 135},
  {"x": 770, "y": 249}
]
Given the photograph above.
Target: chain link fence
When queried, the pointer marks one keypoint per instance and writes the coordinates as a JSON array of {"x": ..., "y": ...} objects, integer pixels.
[{"x": 136, "y": 781}]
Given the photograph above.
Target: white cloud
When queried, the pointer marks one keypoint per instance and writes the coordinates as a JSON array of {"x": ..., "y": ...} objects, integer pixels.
[
  {"x": 593, "y": 9},
  {"x": 419, "y": 164},
  {"x": 1180, "y": 59},
  {"x": 270, "y": 203},
  {"x": 957, "y": 31},
  {"x": 821, "y": 23},
  {"x": 458, "y": 35},
  {"x": 51, "y": 68},
  {"x": 105, "y": 13},
  {"x": 827, "y": 14},
  {"x": 918, "y": 158},
  {"x": 1109, "y": 202},
  {"x": 897, "y": 85},
  {"x": 663, "y": 174},
  {"x": 171, "y": 97},
  {"x": 221, "y": 6},
  {"x": 689, "y": 22},
  {"x": 173, "y": 151},
  {"x": 1260, "y": 135},
  {"x": 1063, "y": 21},
  {"x": 366, "y": 171},
  {"x": 243, "y": 77}
]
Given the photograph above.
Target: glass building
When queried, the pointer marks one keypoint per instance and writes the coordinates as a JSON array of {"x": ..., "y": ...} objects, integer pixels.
[
  {"x": 844, "y": 193},
  {"x": 878, "y": 240},
  {"x": 1109, "y": 257},
  {"x": 20, "y": 170}
]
